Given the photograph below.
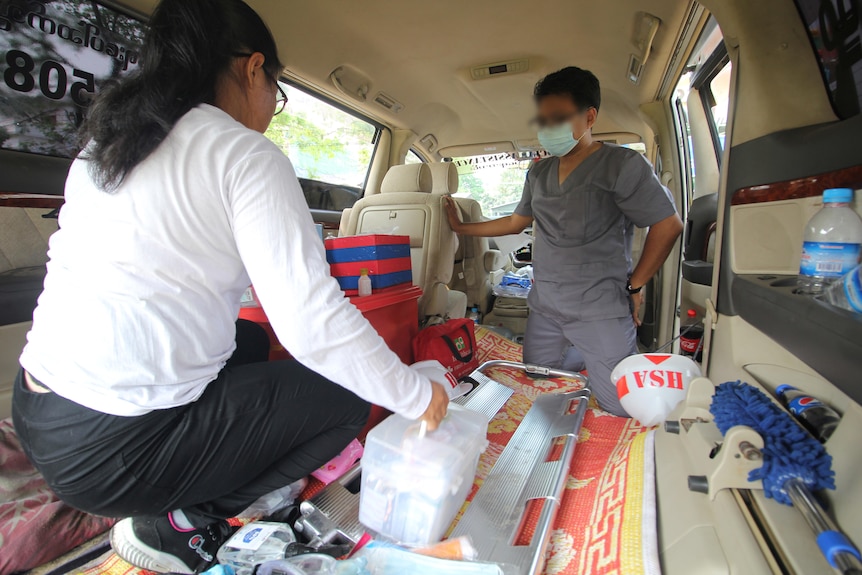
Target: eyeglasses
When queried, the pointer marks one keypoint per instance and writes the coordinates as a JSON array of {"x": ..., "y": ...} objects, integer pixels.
[
  {"x": 539, "y": 122},
  {"x": 281, "y": 98}
]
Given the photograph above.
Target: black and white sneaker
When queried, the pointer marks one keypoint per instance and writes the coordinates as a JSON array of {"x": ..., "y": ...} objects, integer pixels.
[{"x": 154, "y": 544}]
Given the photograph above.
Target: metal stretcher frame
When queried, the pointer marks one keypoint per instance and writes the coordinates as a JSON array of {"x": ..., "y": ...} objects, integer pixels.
[{"x": 494, "y": 518}]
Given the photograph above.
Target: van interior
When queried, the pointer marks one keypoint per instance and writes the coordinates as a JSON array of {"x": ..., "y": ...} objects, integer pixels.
[{"x": 747, "y": 110}]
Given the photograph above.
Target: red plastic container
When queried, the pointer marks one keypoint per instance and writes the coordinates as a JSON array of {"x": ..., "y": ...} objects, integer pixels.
[
  {"x": 394, "y": 313},
  {"x": 258, "y": 316}
]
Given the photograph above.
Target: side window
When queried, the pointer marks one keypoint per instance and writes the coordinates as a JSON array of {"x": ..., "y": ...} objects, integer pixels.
[
  {"x": 699, "y": 108},
  {"x": 495, "y": 181},
  {"x": 835, "y": 31},
  {"x": 331, "y": 150},
  {"x": 413, "y": 158},
  {"x": 54, "y": 56},
  {"x": 683, "y": 134},
  {"x": 716, "y": 96}
]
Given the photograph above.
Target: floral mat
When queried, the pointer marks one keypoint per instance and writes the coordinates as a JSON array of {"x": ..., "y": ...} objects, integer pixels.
[{"x": 606, "y": 523}]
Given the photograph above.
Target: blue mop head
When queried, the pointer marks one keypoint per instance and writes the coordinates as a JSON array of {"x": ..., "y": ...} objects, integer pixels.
[{"x": 788, "y": 450}]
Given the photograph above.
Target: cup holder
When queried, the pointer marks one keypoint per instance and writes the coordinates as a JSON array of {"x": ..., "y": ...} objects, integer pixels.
[{"x": 784, "y": 282}]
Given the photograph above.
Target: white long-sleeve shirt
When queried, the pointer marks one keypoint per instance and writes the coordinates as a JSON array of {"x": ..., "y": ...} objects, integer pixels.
[{"x": 144, "y": 284}]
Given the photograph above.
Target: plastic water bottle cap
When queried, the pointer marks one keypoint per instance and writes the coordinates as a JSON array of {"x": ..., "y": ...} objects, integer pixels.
[
  {"x": 782, "y": 388},
  {"x": 838, "y": 196},
  {"x": 691, "y": 313},
  {"x": 363, "y": 272}
]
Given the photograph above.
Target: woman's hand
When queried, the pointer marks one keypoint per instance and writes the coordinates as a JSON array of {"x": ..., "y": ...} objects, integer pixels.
[
  {"x": 452, "y": 214},
  {"x": 437, "y": 408}
]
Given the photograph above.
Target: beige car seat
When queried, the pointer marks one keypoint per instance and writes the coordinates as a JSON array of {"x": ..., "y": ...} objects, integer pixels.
[
  {"x": 474, "y": 260},
  {"x": 406, "y": 206}
]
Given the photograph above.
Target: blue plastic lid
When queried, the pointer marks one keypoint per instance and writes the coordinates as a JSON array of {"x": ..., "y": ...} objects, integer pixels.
[
  {"x": 782, "y": 388},
  {"x": 837, "y": 196}
]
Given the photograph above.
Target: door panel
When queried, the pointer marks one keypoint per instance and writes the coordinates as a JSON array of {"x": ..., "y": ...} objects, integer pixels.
[
  {"x": 12, "y": 340},
  {"x": 739, "y": 350}
]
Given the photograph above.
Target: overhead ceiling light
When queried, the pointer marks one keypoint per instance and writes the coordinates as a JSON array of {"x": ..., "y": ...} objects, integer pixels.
[
  {"x": 499, "y": 68},
  {"x": 635, "y": 69},
  {"x": 388, "y": 102}
]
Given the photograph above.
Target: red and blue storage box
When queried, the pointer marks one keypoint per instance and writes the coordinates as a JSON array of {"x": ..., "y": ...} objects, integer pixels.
[{"x": 386, "y": 257}]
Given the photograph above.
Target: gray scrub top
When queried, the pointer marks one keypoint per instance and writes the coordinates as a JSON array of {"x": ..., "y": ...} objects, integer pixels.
[{"x": 584, "y": 228}]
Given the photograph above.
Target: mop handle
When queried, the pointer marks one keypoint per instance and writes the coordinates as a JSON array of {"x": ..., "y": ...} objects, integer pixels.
[{"x": 839, "y": 551}]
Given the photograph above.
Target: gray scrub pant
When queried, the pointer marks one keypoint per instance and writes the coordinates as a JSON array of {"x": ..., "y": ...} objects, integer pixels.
[{"x": 598, "y": 345}]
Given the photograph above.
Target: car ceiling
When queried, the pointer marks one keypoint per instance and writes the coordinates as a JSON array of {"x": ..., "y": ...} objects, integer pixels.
[{"x": 420, "y": 54}]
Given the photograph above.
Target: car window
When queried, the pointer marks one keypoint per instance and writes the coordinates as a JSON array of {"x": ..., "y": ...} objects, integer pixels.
[
  {"x": 719, "y": 97},
  {"x": 53, "y": 57},
  {"x": 636, "y": 146},
  {"x": 331, "y": 150},
  {"x": 708, "y": 71},
  {"x": 686, "y": 153},
  {"x": 495, "y": 181},
  {"x": 835, "y": 31},
  {"x": 413, "y": 158}
]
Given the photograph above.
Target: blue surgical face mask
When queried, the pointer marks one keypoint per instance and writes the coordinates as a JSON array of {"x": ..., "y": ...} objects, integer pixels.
[{"x": 558, "y": 140}]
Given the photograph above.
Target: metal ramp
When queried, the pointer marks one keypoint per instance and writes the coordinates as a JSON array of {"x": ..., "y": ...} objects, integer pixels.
[{"x": 534, "y": 466}]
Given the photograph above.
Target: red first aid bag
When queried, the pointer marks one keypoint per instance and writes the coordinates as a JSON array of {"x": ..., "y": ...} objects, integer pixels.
[{"x": 453, "y": 344}]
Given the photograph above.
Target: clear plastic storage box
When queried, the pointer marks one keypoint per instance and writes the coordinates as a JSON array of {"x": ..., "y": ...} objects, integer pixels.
[{"x": 413, "y": 486}]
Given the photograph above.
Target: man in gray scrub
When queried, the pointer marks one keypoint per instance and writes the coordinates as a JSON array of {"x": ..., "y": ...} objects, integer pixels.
[{"x": 584, "y": 202}]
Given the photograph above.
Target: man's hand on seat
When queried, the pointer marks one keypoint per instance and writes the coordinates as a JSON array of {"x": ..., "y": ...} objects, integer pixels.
[
  {"x": 452, "y": 214},
  {"x": 504, "y": 226}
]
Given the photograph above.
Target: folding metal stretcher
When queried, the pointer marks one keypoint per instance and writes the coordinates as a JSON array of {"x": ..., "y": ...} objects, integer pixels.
[{"x": 528, "y": 478}]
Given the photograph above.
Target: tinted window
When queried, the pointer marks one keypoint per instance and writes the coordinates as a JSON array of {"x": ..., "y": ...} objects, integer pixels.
[
  {"x": 413, "y": 158},
  {"x": 495, "y": 181},
  {"x": 330, "y": 149},
  {"x": 719, "y": 98},
  {"x": 835, "y": 30},
  {"x": 53, "y": 57}
]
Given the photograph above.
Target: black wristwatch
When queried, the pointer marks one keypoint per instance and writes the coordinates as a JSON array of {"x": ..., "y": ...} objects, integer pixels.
[{"x": 631, "y": 290}]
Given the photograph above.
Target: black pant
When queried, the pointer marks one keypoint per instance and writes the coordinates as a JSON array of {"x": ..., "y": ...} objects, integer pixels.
[{"x": 257, "y": 427}]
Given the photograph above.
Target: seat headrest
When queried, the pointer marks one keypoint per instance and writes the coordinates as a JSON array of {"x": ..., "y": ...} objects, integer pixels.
[
  {"x": 445, "y": 176},
  {"x": 407, "y": 178}
]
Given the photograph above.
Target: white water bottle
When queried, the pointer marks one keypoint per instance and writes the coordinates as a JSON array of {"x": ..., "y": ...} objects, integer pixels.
[
  {"x": 846, "y": 293},
  {"x": 832, "y": 242}
]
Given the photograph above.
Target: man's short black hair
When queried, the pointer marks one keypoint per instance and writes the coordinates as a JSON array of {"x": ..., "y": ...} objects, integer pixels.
[{"x": 581, "y": 86}]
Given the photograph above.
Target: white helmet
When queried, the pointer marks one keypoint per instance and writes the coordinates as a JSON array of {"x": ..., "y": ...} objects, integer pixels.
[{"x": 650, "y": 385}]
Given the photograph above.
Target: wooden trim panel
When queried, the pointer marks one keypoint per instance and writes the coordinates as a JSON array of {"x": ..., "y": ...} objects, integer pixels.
[
  {"x": 46, "y": 201},
  {"x": 802, "y": 188}
]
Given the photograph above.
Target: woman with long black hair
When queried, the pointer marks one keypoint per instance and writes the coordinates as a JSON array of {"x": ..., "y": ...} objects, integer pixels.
[{"x": 139, "y": 396}]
